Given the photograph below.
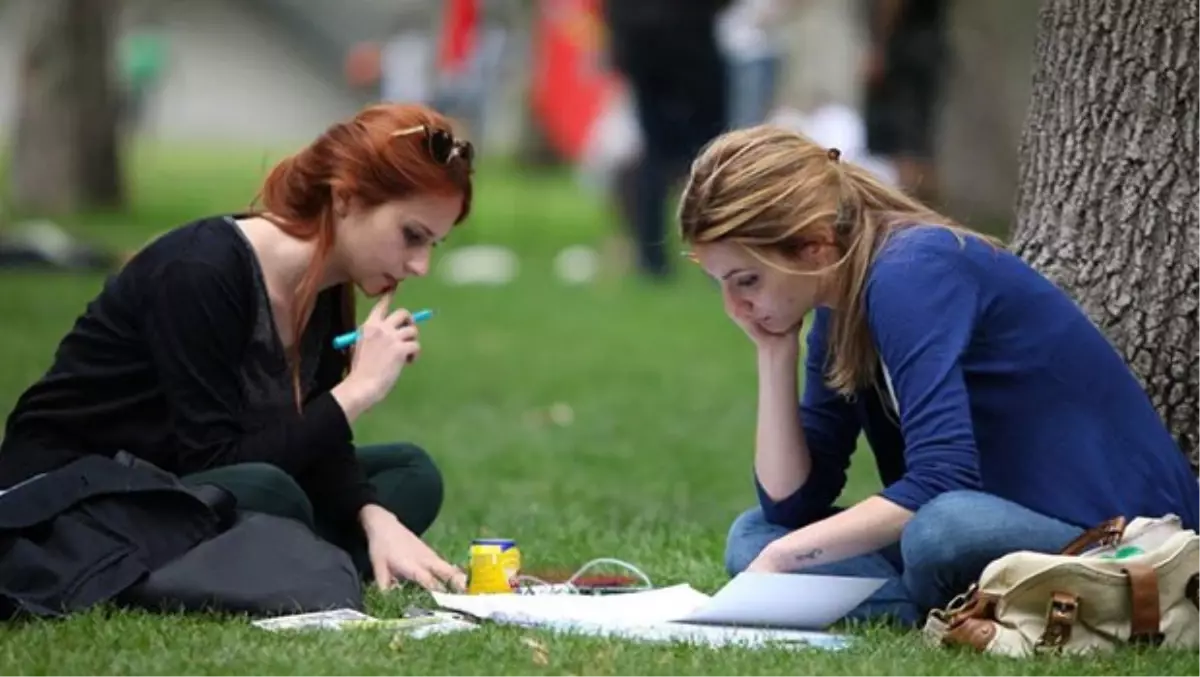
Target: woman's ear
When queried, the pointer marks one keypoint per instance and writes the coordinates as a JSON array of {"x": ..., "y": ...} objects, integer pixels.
[
  {"x": 820, "y": 248},
  {"x": 341, "y": 204},
  {"x": 796, "y": 254},
  {"x": 816, "y": 254}
]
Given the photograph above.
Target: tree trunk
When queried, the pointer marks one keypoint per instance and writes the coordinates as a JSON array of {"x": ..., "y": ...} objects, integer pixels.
[
  {"x": 1106, "y": 205},
  {"x": 65, "y": 152}
]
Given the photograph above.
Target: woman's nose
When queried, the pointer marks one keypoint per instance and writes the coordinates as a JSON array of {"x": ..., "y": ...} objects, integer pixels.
[
  {"x": 736, "y": 301},
  {"x": 418, "y": 264}
]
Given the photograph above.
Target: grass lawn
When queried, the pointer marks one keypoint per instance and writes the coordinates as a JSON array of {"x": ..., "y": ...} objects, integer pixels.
[{"x": 651, "y": 467}]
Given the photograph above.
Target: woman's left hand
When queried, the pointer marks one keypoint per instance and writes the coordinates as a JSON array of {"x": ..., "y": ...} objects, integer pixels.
[{"x": 397, "y": 552}]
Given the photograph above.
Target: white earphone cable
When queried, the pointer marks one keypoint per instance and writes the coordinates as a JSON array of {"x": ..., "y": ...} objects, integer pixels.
[{"x": 531, "y": 585}]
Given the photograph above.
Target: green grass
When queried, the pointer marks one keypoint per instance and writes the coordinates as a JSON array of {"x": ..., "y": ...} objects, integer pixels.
[{"x": 651, "y": 468}]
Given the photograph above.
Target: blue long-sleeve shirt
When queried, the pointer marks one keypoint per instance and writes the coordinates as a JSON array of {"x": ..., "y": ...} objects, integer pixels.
[{"x": 1003, "y": 385}]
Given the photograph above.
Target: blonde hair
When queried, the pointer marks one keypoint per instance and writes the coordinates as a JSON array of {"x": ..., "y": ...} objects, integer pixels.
[{"x": 772, "y": 191}]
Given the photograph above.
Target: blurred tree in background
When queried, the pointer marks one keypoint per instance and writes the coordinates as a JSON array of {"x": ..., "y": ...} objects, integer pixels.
[
  {"x": 984, "y": 102},
  {"x": 65, "y": 150},
  {"x": 1108, "y": 187}
]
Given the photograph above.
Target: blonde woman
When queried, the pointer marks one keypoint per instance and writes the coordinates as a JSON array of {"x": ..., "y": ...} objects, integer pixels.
[{"x": 998, "y": 415}]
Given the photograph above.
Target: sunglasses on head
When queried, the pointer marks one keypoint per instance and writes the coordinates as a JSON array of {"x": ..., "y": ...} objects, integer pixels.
[{"x": 442, "y": 145}]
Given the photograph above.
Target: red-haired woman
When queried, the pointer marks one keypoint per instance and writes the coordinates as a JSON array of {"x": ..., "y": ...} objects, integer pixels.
[{"x": 211, "y": 355}]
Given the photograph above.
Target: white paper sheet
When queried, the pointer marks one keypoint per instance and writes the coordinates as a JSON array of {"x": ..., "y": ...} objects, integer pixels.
[
  {"x": 709, "y": 635},
  {"x": 752, "y": 609},
  {"x": 653, "y": 606},
  {"x": 806, "y": 602}
]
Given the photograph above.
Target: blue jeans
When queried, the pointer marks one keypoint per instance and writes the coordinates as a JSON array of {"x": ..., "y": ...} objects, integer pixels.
[
  {"x": 466, "y": 96},
  {"x": 942, "y": 550},
  {"x": 752, "y": 87}
]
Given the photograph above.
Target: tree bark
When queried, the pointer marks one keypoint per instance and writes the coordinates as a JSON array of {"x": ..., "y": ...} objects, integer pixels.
[
  {"x": 1106, "y": 204},
  {"x": 66, "y": 148}
]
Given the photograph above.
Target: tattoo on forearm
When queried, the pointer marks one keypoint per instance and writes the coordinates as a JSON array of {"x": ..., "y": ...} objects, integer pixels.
[{"x": 809, "y": 556}]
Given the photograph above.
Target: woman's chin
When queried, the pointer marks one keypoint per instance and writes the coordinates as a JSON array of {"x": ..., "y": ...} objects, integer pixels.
[
  {"x": 374, "y": 290},
  {"x": 782, "y": 328}
]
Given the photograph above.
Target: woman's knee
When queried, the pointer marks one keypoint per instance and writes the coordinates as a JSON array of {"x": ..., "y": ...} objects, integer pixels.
[
  {"x": 409, "y": 484},
  {"x": 262, "y": 487},
  {"x": 748, "y": 535},
  {"x": 967, "y": 525},
  {"x": 941, "y": 527},
  {"x": 952, "y": 538},
  {"x": 935, "y": 545},
  {"x": 427, "y": 478}
]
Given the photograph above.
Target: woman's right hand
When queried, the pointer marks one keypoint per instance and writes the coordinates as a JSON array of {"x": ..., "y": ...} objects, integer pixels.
[
  {"x": 398, "y": 554},
  {"x": 387, "y": 342}
]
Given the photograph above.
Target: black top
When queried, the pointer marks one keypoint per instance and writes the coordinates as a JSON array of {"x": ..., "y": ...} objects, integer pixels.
[
  {"x": 662, "y": 14},
  {"x": 178, "y": 362},
  {"x": 924, "y": 14},
  {"x": 914, "y": 20}
]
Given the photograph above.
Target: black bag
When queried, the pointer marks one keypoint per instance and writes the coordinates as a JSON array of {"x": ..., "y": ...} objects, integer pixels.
[
  {"x": 80, "y": 535},
  {"x": 122, "y": 530},
  {"x": 260, "y": 565},
  {"x": 263, "y": 565}
]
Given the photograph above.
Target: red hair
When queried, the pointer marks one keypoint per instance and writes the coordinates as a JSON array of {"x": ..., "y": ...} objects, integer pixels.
[{"x": 360, "y": 161}]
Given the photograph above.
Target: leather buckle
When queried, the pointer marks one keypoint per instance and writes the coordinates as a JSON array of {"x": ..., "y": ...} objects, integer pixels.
[
  {"x": 1061, "y": 613},
  {"x": 1192, "y": 590}
]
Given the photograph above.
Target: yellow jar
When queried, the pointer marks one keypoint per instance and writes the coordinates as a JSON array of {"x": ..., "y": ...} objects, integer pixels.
[{"x": 494, "y": 566}]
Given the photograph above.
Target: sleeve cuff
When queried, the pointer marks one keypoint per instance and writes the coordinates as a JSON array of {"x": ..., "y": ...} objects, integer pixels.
[
  {"x": 911, "y": 494},
  {"x": 325, "y": 418},
  {"x": 792, "y": 511},
  {"x": 342, "y": 492},
  {"x": 356, "y": 496}
]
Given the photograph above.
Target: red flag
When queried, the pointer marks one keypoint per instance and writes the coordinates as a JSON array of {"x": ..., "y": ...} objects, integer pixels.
[
  {"x": 460, "y": 27},
  {"x": 571, "y": 88}
]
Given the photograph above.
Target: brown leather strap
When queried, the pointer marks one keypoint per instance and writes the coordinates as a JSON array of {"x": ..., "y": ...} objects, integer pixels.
[
  {"x": 980, "y": 606},
  {"x": 976, "y": 633},
  {"x": 973, "y": 624},
  {"x": 1103, "y": 534},
  {"x": 1143, "y": 604}
]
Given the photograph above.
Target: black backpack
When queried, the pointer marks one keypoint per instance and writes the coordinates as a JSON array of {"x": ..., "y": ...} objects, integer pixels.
[
  {"x": 263, "y": 565},
  {"x": 120, "y": 530}
]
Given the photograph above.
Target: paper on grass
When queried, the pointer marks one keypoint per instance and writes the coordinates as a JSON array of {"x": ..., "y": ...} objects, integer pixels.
[
  {"x": 802, "y": 601},
  {"x": 653, "y": 606},
  {"x": 333, "y": 619},
  {"x": 709, "y": 635},
  {"x": 753, "y": 608},
  {"x": 340, "y": 619}
]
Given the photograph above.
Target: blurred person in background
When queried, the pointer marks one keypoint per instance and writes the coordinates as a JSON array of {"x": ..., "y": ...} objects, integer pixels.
[
  {"x": 748, "y": 32},
  {"x": 454, "y": 72},
  {"x": 405, "y": 69},
  {"x": 905, "y": 63},
  {"x": 143, "y": 62},
  {"x": 474, "y": 34},
  {"x": 668, "y": 53},
  {"x": 211, "y": 355},
  {"x": 44, "y": 245}
]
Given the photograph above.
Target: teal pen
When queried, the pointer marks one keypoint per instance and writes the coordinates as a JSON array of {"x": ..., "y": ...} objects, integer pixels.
[{"x": 350, "y": 338}]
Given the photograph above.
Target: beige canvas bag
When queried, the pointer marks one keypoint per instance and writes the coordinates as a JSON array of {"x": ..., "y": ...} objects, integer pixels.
[{"x": 1116, "y": 584}]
